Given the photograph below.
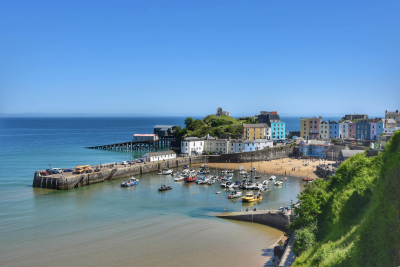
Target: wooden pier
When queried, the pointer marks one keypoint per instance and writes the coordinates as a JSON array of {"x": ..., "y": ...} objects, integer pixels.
[{"x": 137, "y": 145}]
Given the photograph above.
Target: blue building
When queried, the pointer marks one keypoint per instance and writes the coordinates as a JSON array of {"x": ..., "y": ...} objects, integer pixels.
[
  {"x": 278, "y": 130},
  {"x": 333, "y": 129},
  {"x": 313, "y": 148},
  {"x": 376, "y": 128},
  {"x": 363, "y": 130}
]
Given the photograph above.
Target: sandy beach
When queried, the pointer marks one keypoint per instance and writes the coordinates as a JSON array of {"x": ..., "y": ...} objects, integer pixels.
[{"x": 276, "y": 167}]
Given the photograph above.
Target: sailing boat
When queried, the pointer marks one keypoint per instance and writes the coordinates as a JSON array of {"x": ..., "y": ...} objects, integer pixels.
[
  {"x": 284, "y": 178},
  {"x": 225, "y": 171}
]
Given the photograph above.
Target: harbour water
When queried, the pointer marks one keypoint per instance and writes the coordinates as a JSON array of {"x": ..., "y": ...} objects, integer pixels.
[{"x": 104, "y": 224}]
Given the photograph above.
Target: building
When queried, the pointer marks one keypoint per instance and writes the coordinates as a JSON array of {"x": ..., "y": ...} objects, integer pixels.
[
  {"x": 222, "y": 112},
  {"x": 377, "y": 128},
  {"x": 273, "y": 120},
  {"x": 346, "y": 154},
  {"x": 216, "y": 145},
  {"x": 393, "y": 115},
  {"x": 145, "y": 137},
  {"x": 159, "y": 156},
  {"x": 192, "y": 146},
  {"x": 278, "y": 130},
  {"x": 356, "y": 117},
  {"x": 236, "y": 146},
  {"x": 313, "y": 148},
  {"x": 351, "y": 130},
  {"x": 391, "y": 126},
  {"x": 255, "y": 131},
  {"x": 164, "y": 130},
  {"x": 309, "y": 127},
  {"x": 268, "y": 117},
  {"x": 324, "y": 130},
  {"x": 363, "y": 129},
  {"x": 263, "y": 144},
  {"x": 344, "y": 129},
  {"x": 333, "y": 129}
]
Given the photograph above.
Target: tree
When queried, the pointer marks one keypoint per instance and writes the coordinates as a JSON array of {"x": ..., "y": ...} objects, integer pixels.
[
  {"x": 188, "y": 121},
  {"x": 335, "y": 141},
  {"x": 177, "y": 131},
  {"x": 239, "y": 129},
  {"x": 195, "y": 125},
  {"x": 229, "y": 129}
]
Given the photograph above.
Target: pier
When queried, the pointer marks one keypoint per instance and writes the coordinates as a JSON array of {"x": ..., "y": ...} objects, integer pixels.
[
  {"x": 273, "y": 218},
  {"x": 137, "y": 145}
]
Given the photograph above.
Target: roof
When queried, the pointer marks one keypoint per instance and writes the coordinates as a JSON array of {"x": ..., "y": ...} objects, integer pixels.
[
  {"x": 350, "y": 153},
  {"x": 193, "y": 139},
  {"x": 236, "y": 141},
  {"x": 164, "y": 126},
  {"x": 161, "y": 153},
  {"x": 144, "y": 135},
  {"x": 391, "y": 121},
  {"x": 260, "y": 125}
]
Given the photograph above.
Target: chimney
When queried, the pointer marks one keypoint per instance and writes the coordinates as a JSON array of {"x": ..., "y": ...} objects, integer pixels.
[
  {"x": 320, "y": 118},
  {"x": 385, "y": 111},
  {"x": 397, "y": 111},
  {"x": 329, "y": 120}
]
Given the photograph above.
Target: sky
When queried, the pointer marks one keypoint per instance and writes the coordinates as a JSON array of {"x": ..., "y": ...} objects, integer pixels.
[{"x": 186, "y": 58}]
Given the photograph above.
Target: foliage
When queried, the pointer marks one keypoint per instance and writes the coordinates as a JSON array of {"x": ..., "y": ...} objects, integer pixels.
[
  {"x": 304, "y": 239},
  {"x": 195, "y": 125},
  {"x": 188, "y": 121},
  {"x": 335, "y": 141},
  {"x": 239, "y": 129},
  {"x": 357, "y": 212}
]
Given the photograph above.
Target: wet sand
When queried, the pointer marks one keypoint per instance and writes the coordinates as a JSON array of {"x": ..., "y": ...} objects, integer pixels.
[{"x": 279, "y": 167}]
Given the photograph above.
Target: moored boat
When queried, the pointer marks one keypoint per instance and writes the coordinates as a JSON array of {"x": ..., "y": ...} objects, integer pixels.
[
  {"x": 166, "y": 171},
  {"x": 190, "y": 179},
  {"x": 250, "y": 197},
  {"x": 273, "y": 177},
  {"x": 131, "y": 182},
  {"x": 235, "y": 194},
  {"x": 164, "y": 188},
  {"x": 308, "y": 179}
]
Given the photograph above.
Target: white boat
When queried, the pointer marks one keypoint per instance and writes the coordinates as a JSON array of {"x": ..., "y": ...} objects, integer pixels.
[
  {"x": 211, "y": 182},
  {"x": 218, "y": 192},
  {"x": 253, "y": 169},
  {"x": 185, "y": 171},
  {"x": 264, "y": 188},
  {"x": 179, "y": 178},
  {"x": 284, "y": 178},
  {"x": 235, "y": 194},
  {"x": 166, "y": 171},
  {"x": 224, "y": 171},
  {"x": 265, "y": 182},
  {"x": 243, "y": 172},
  {"x": 273, "y": 177},
  {"x": 257, "y": 186},
  {"x": 203, "y": 181},
  {"x": 248, "y": 186},
  {"x": 278, "y": 183}
]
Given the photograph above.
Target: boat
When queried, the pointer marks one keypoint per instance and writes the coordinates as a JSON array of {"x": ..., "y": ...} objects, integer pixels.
[
  {"x": 204, "y": 171},
  {"x": 235, "y": 194},
  {"x": 250, "y": 197},
  {"x": 179, "y": 178},
  {"x": 248, "y": 185},
  {"x": 246, "y": 175},
  {"x": 284, "y": 178},
  {"x": 308, "y": 179},
  {"x": 253, "y": 169},
  {"x": 174, "y": 173},
  {"x": 203, "y": 181},
  {"x": 226, "y": 185},
  {"x": 218, "y": 192},
  {"x": 166, "y": 171},
  {"x": 257, "y": 186},
  {"x": 230, "y": 171},
  {"x": 190, "y": 179},
  {"x": 204, "y": 166},
  {"x": 211, "y": 182},
  {"x": 265, "y": 182},
  {"x": 164, "y": 188},
  {"x": 273, "y": 177},
  {"x": 186, "y": 167},
  {"x": 278, "y": 183},
  {"x": 243, "y": 172},
  {"x": 131, "y": 182},
  {"x": 264, "y": 188}
]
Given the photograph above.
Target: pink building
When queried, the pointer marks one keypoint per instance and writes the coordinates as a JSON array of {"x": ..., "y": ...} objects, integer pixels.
[
  {"x": 352, "y": 130},
  {"x": 314, "y": 127}
]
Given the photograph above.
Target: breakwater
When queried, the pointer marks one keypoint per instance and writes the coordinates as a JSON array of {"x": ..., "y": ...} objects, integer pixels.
[{"x": 273, "y": 218}]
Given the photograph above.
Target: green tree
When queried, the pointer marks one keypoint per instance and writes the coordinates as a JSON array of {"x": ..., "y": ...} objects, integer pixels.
[
  {"x": 177, "y": 131},
  {"x": 304, "y": 239},
  {"x": 188, "y": 121},
  {"x": 196, "y": 125},
  {"x": 239, "y": 129},
  {"x": 335, "y": 141},
  {"x": 229, "y": 129}
]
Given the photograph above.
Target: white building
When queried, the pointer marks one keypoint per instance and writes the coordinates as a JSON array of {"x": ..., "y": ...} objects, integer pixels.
[
  {"x": 160, "y": 156},
  {"x": 216, "y": 145},
  {"x": 192, "y": 146},
  {"x": 262, "y": 144},
  {"x": 344, "y": 129},
  {"x": 236, "y": 146},
  {"x": 324, "y": 130},
  {"x": 145, "y": 137}
]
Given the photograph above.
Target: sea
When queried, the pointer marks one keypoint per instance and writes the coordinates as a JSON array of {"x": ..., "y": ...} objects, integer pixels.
[{"x": 106, "y": 225}]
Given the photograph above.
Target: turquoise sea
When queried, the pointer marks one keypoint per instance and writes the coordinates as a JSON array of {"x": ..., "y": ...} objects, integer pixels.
[{"x": 106, "y": 225}]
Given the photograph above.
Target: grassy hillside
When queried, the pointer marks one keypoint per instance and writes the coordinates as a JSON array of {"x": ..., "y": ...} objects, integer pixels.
[{"x": 354, "y": 218}]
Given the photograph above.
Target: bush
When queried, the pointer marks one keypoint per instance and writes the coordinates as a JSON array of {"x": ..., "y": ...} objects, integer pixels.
[{"x": 304, "y": 239}]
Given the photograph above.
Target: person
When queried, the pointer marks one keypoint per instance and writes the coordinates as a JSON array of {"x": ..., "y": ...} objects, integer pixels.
[{"x": 247, "y": 209}]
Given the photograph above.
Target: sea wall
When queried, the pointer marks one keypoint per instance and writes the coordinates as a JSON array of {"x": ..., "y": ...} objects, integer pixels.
[{"x": 278, "y": 220}]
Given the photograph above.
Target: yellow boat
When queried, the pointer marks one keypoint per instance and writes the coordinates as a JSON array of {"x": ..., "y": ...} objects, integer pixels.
[{"x": 250, "y": 197}]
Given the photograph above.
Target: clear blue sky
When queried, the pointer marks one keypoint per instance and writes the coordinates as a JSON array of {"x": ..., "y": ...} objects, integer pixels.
[{"x": 189, "y": 57}]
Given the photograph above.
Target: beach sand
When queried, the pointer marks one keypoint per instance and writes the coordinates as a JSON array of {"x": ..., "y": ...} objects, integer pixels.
[{"x": 277, "y": 167}]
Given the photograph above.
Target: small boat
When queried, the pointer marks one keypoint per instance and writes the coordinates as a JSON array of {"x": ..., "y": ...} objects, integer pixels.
[
  {"x": 190, "y": 179},
  {"x": 211, "y": 182},
  {"x": 174, "y": 173},
  {"x": 224, "y": 171},
  {"x": 265, "y": 182},
  {"x": 179, "y": 178},
  {"x": 235, "y": 194},
  {"x": 218, "y": 192},
  {"x": 164, "y": 188},
  {"x": 250, "y": 197},
  {"x": 246, "y": 175},
  {"x": 204, "y": 166},
  {"x": 166, "y": 171},
  {"x": 203, "y": 181},
  {"x": 186, "y": 167},
  {"x": 131, "y": 182},
  {"x": 308, "y": 179},
  {"x": 284, "y": 178},
  {"x": 257, "y": 176},
  {"x": 273, "y": 177},
  {"x": 204, "y": 171},
  {"x": 278, "y": 183},
  {"x": 230, "y": 171},
  {"x": 243, "y": 172},
  {"x": 257, "y": 186},
  {"x": 264, "y": 188},
  {"x": 253, "y": 169}
]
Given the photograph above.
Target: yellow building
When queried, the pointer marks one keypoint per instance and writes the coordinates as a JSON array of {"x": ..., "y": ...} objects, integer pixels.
[
  {"x": 255, "y": 131},
  {"x": 304, "y": 127}
]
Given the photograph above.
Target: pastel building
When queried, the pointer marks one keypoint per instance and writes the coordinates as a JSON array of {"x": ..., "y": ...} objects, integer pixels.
[
  {"x": 333, "y": 129},
  {"x": 255, "y": 131},
  {"x": 310, "y": 127},
  {"x": 192, "y": 146},
  {"x": 273, "y": 120},
  {"x": 395, "y": 115},
  {"x": 351, "y": 126},
  {"x": 376, "y": 129},
  {"x": 363, "y": 129},
  {"x": 344, "y": 129},
  {"x": 313, "y": 148},
  {"x": 324, "y": 130},
  {"x": 157, "y": 156},
  {"x": 278, "y": 130},
  {"x": 216, "y": 145},
  {"x": 236, "y": 146}
]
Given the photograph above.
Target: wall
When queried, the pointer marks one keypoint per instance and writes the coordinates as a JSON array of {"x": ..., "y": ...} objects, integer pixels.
[{"x": 274, "y": 219}]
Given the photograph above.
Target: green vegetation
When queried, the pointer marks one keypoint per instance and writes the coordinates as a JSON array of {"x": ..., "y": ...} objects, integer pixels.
[
  {"x": 210, "y": 125},
  {"x": 354, "y": 218},
  {"x": 335, "y": 141}
]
